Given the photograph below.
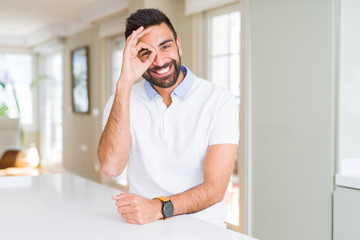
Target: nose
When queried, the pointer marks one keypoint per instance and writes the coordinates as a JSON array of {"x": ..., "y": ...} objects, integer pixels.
[{"x": 160, "y": 59}]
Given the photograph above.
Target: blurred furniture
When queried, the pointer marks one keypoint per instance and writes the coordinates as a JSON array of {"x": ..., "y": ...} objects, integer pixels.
[
  {"x": 8, "y": 158},
  {"x": 9, "y": 141}
]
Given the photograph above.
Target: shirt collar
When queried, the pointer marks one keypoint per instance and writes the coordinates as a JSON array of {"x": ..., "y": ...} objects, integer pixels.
[{"x": 180, "y": 91}]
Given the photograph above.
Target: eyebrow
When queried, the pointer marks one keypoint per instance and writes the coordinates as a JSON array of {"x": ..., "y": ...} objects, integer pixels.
[
  {"x": 162, "y": 43},
  {"x": 165, "y": 42},
  {"x": 143, "y": 49}
]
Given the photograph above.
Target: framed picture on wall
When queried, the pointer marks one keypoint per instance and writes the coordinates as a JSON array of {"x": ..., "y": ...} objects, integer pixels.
[{"x": 80, "y": 80}]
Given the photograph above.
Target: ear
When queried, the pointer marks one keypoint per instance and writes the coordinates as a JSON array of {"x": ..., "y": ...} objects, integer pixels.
[{"x": 179, "y": 45}]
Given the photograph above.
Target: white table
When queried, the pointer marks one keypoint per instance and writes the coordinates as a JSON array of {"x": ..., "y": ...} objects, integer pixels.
[{"x": 65, "y": 206}]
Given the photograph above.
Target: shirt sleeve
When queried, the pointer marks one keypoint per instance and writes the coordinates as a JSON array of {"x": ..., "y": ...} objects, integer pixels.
[
  {"x": 225, "y": 127},
  {"x": 107, "y": 110}
]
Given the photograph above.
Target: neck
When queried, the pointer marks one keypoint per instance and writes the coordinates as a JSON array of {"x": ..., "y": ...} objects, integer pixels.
[{"x": 165, "y": 93}]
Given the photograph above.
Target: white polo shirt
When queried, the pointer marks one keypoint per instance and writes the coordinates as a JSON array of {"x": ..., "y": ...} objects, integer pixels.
[{"x": 169, "y": 144}]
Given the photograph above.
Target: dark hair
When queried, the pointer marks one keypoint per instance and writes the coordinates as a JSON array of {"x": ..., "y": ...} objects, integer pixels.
[{"x": 146, "y": 18}]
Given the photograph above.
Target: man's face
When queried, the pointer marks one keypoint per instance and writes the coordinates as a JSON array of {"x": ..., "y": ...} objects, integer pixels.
[{"x": 165, "y": 69}]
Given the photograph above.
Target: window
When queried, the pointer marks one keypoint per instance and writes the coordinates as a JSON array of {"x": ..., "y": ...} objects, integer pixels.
[
  {"x": 116, "y": 47},
  {"x": 51, "y": 116},
  {"x": 16, "y": 92},
  {"x": 116, "y": 50},
  {"x": 223, "y": 28},
  {"x": 224, "y": 50}
]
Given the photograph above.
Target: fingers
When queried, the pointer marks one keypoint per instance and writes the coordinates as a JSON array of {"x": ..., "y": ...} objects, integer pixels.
[
  {"x": 150, "y": 59},
  {"x": 131, "y": 221},
  {"x": 132, "y": 56},
  {"x": 126, "y": 209},
  {"x": 119, "y": 196},
  {"x": 142, "y": 45},
  {"x": 135, "y": 209},
  {"x": 123, "y": 199},
  {"x": 140, "y": 32},
  {"x": 136, "y": 35},
  {"x": 147, "y": 54},
  {"x": 125, "y": 203}
]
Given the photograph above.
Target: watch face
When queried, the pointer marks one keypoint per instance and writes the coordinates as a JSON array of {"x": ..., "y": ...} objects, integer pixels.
[{"x": 168, "y": 209}]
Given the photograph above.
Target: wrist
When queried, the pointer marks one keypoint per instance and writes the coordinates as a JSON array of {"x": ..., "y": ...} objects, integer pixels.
[
  {"x": 123, "y": 86},
  {"x": 167, "y": 208},
  {"x": 158, "y": 208}
]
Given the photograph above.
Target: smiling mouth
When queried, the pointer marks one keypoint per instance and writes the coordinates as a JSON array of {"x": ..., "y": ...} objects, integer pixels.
[{"x": 163, "y": 71}]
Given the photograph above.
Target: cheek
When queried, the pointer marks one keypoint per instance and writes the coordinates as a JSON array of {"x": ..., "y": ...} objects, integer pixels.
[{"x": 176, "y": 55}]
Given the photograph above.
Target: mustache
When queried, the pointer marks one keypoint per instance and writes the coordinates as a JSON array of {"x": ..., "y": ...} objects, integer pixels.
[{"x": 160, "y": 67}]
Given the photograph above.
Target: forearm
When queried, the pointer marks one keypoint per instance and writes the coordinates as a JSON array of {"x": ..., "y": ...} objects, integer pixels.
[
  {"x": 218, "y": 165},
  {"x": 198, "y": 198},
  {"x": 115, "y": 141}
]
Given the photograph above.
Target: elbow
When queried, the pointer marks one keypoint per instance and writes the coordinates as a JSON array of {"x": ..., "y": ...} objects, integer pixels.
[
  {"x": 220, "y": 192},
  {"x": 219, "y": 197},
  {"x": 109, "y": 171},
  {"x": 106, "y": 167},
  {"x": 217, "y": 192},
  {"x": 111, "y": 166}
]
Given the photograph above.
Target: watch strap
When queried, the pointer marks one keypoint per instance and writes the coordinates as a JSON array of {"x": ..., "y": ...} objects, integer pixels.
[{"x": 163, "y": 201}]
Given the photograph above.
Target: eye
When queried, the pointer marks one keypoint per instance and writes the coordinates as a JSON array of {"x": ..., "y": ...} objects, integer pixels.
[
  {"x": 145, "y": 53},
  {"x": 166, "y": 46}
]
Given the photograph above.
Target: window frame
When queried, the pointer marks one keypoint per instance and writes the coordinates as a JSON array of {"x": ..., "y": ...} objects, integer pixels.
[
  {"x": 110, "y": 89},
  {"x": 44, "y": 58},
  {"x": 203, "y": 67}
]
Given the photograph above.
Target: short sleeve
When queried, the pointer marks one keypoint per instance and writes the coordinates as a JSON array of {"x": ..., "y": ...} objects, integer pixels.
[
  {"x": 107, "y": 110},
  {"x": 225, "y": 126}
]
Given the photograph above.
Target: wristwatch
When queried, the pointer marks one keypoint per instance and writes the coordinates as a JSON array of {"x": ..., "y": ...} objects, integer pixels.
[{"x": 167, "y": 209}]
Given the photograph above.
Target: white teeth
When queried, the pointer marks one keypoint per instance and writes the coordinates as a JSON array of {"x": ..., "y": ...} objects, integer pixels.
[{"x": 163, "y": 70}]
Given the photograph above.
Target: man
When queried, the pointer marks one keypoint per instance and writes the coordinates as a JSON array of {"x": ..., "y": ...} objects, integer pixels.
[{"x": 177, "y": 133}]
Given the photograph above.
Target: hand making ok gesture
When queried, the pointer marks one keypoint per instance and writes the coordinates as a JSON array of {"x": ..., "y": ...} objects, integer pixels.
[{"x": 132, "y": 67}]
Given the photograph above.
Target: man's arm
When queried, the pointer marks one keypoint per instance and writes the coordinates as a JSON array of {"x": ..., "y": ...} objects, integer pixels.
[
  {"x": 218, "y": 166},
  {"x": 115, "y": 141}
]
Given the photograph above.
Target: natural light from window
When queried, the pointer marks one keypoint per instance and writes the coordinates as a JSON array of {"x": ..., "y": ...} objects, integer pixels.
[
  {"x": 12, "y": 78},
  {"x": 224, "y": 54}
]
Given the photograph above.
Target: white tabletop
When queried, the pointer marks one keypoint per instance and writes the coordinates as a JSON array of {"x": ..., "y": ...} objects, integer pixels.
[{"x": 65, "y": 206}]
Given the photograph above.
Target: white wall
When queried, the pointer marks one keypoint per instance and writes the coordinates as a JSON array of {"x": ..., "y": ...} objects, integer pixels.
[{"x": 292, "y": 119}]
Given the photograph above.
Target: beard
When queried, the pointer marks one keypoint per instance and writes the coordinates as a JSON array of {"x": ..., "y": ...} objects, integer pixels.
[{"x": 167, "y": 81}]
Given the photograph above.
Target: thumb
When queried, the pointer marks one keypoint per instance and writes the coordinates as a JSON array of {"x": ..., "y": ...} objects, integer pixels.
[{"x": 117, "y": 197}]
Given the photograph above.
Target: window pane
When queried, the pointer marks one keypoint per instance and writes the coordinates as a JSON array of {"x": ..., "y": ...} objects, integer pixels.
[
  {"x": 220, "y": 35},
  {"x": 16, "y": 73},
  {"x": 220, "y": 71},
  {"x": 235, "y": 75},
  {"x": 224, "y": 71},
  {"x": 235, "y": 32},
  {"x": 24, "y": 93},
  {"x": 56, "y": 69},
  {"x": 118, "y": 45}
]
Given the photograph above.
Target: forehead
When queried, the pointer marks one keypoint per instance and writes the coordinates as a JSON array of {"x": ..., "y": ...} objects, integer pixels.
[{"x": 157, "y": 35}]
